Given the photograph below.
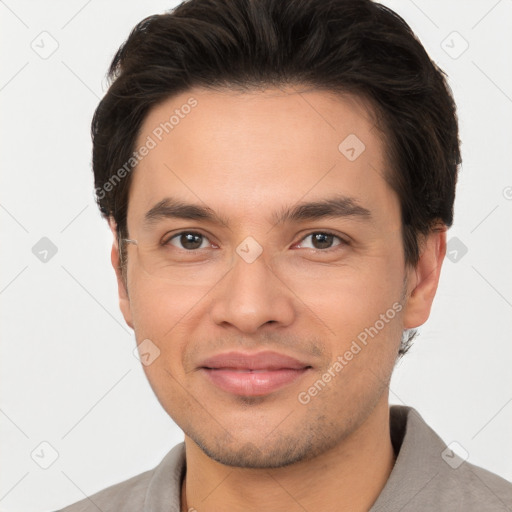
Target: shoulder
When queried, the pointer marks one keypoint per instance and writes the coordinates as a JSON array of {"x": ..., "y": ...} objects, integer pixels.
[
  {"x": 428, "y": 475},
  {"x": 139, "y": 492},
  {"x": 473, "y": 488},
  {"x": 127, "y": 495}
]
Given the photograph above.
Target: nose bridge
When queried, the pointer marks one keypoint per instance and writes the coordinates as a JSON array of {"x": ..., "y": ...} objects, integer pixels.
[{"x": 251, "y": 294}]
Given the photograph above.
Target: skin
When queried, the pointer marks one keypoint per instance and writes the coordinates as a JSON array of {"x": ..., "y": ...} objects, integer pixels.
[{"x": 245, "y": 156}]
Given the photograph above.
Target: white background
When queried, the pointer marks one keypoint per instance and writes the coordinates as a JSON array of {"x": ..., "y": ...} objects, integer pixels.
[{"x": 68, "y": 373}]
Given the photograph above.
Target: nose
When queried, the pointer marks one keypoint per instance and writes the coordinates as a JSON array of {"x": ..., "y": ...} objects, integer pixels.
[{"x": 252, "y": 296}]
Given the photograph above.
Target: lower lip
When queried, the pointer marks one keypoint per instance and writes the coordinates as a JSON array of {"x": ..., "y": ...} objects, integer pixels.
[{"x": 256, "y": 383}]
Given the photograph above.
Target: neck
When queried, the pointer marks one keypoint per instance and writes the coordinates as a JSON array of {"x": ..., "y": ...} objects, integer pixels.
[{"x": 348, "y": 477}]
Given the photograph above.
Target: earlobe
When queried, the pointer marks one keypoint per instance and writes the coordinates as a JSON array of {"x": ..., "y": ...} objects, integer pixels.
[
  {"x": 124, "y": 300},
  {"x": 424, "y": 279}
]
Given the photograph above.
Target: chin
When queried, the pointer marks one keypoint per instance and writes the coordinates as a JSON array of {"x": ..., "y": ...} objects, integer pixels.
[{"x": 265, "y": 454}]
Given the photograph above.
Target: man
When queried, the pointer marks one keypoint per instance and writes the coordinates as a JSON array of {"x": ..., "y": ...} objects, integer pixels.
[{"x": 279, "y": 177}]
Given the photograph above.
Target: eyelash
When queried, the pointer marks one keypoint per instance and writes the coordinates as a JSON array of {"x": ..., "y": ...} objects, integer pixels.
[{"x": 342, "y": 241}]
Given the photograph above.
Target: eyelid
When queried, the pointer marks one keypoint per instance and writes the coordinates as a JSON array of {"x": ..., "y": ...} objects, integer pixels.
[
  {"x": 170, "y": 235},
  {"x": 343, "y": 240}
]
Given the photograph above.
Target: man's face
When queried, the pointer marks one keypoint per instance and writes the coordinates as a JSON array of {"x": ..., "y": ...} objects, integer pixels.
[{"x": 226, "y": 318}]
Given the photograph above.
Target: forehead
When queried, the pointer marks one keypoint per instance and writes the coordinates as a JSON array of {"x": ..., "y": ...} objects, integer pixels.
[{"x": 244, "y": 154}]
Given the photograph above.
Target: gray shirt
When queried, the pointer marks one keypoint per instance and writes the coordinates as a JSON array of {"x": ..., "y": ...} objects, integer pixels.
[{"x": 427, "y": 475}]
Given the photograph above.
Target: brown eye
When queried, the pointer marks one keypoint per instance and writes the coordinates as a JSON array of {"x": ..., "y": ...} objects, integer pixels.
[
  {"x": 189, "y": 241},
  {"x": 321, "y": 240}
]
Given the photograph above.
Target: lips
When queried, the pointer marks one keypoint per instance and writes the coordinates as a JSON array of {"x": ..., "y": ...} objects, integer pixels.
[{"x": 252, "y": 374}]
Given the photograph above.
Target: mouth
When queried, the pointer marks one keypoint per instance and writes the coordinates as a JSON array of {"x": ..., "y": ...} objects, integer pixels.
[{"x": 252, "y": 374}]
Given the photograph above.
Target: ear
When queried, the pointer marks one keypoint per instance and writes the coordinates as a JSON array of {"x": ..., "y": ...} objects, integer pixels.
[
  {"x": 124, "y": 300},
  {"x": 424, "y": 278}
]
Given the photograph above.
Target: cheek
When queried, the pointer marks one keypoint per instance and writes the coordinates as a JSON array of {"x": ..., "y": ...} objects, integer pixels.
[
  {"x": 352, "y": 295},
  {"x": 358, "y": 310},
  {"x": 164, "y": 314},
  {"x": 162, "y": 310},
  {"x": 363, "y": 353}
]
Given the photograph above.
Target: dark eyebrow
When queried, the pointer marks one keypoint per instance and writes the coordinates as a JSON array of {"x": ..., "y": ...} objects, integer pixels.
[
  {"x": 172, "y": 208},
  {"x": 337, "y": 206}
]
